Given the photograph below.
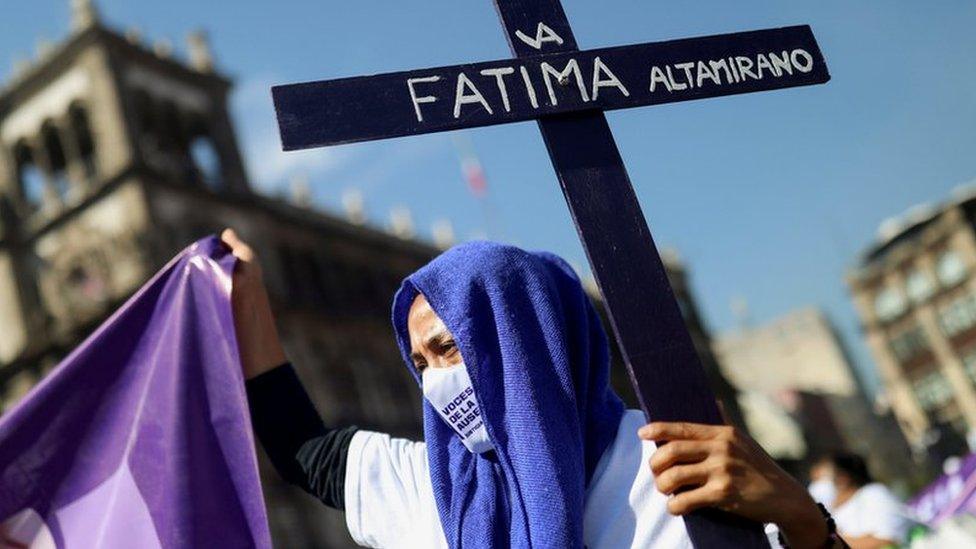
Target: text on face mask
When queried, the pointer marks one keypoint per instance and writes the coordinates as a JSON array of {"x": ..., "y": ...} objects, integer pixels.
[{"x": 462, "y": 413}]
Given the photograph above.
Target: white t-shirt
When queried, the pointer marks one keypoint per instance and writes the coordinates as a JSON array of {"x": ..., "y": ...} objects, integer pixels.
[
  {"x": 872, "y": 511},
  {"x": 390, "y": 502}
]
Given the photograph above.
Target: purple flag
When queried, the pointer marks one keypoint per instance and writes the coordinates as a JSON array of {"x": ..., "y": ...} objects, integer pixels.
[
  {"x": 141, "y": 437},
  {"x": 948, "y": 495}
]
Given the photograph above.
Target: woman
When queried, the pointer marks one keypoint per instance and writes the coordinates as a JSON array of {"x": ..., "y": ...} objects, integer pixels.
[
  {"x": 525, "y": 443},
  {"x": 866, "y": 512}
]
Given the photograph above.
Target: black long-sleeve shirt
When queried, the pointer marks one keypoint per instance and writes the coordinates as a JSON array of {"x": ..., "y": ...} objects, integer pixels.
[{"x": 303, "y": 451}]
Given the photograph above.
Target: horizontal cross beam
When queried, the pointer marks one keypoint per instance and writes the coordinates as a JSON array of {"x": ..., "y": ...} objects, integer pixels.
[{"x": 349, "y": 110}]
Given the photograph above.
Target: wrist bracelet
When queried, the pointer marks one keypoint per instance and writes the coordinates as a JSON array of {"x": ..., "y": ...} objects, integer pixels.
[{"x": 833, "y": 538}]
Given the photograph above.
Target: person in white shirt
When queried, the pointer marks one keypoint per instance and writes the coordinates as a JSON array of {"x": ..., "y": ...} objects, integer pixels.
[
  {"x": 867, "y": 514},
  {"x": 821, "y": 485},
  {"x": 526, "y": 444}
]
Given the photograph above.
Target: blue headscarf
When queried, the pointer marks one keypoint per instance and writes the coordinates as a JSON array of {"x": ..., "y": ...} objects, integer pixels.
[{"x": 538, "y": 359}]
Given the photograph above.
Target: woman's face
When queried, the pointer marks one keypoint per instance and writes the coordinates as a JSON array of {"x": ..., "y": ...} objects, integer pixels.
[{"x": 431, "y": 343}]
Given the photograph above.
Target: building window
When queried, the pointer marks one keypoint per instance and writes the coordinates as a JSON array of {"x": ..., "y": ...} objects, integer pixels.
[
  {"x": 81, "y": 129},
  {"x": 206, "y": 161},
  {"x": 290, "y": 274},
  {"x": 29, "y": 177},
  {"x": 142, "y": 107},
  {"x": 889, "y": 304},
  {"x": 342, "y": 380},
  {"x": 170, "y": 128},
  {"x": 909, "y": 344},
  {"x": 969, "y": 363},
  {"x": 332, "y": 282},
  {"x": 144, "y": 113},
  {"x": 56, "y": 158},
  {"x": 313, "y": 279},
  {"x": 933, "y": 391},
  {"x": 958, "y": 316},
  {"x": 204, "y": 156},
  {"x": 950, "y": 268},
  {"x": 920, "y": 286}
]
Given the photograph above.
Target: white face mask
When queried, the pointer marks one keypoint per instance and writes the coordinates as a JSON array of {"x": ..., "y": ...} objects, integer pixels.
[
  {"x": 823, "y": 491},
  {"x": 450, "y": 392}
]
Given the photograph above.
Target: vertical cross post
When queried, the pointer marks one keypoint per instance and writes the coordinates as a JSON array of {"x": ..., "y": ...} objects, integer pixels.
[{"x": 656, "y": 346}]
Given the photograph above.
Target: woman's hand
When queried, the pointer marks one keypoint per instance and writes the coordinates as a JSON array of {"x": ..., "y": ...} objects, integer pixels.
[
  {"x": 719, "y": 466},
  {"x": 257, "y": 337}
]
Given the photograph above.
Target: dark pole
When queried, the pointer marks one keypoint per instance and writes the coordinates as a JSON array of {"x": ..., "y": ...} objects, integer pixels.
[{"x": 657, "y": 349}]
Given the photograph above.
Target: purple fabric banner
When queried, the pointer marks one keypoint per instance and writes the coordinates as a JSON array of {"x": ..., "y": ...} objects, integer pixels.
[
  {"x": 948, "y": 495},
  {"x": 141, "y": 437}
]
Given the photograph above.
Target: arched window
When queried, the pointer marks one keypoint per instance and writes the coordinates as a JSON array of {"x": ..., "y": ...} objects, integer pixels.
[
  {"x": 56, "y": 158},
  {"x": 933, "y": 390},
  {"x": 81, "y": 129},
  {"x": 889, "y": 304},
  {"x": 170, "y": 128},
  {"x": 950, "y": 268},
  {"x": 207, "y": 165},
  {"x": 206, "y": 160},
  {"x": 919, "y": 286},
  {"x": 144, "y": 113},
  {"x": 147, "y": 127},
  {"x": 29, "y": 177}
]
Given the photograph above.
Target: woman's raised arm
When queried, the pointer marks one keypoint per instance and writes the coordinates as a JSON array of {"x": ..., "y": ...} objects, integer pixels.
[{"x": 257, "y": 336}]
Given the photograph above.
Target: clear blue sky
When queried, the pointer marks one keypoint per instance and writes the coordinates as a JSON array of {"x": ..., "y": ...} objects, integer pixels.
[{"x": 766, "y": 196}]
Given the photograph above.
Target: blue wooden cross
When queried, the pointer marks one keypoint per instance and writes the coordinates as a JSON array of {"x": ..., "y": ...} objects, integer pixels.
[{"x": 567, "y": 90}]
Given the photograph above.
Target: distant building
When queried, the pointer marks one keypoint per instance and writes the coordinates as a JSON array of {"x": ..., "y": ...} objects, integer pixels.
[
  {"x": 701, "y": 338},
  {"x": 796, "y": 351},
  {"x": 114, "y": 155},
  {"x": 797, "y": 365},
  {"x": 915, "y": 291}
]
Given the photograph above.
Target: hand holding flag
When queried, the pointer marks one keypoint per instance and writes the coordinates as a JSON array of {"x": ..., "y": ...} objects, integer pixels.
[{"x": 141, "y": 437}]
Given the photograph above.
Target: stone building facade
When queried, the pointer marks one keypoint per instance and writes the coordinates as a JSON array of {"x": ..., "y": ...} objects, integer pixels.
[
  {"x": 114, "y": 155},
  {"x": 915, "y": 292}
]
